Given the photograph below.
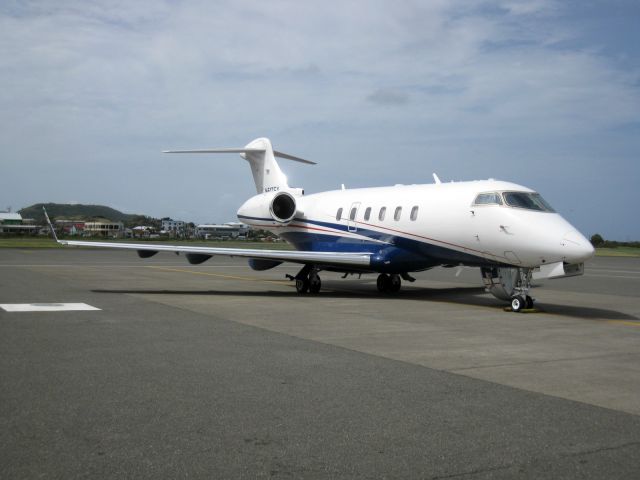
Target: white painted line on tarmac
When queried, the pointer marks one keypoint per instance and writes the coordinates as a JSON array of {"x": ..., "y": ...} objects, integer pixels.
[
  {"x": 103, "y": 265},
  {"x": 45, "y": 307},
  {"x": 611, "y": 276}
]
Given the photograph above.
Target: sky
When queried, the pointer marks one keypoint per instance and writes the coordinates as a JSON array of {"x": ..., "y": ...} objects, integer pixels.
[{"x": 542, "y": 93}]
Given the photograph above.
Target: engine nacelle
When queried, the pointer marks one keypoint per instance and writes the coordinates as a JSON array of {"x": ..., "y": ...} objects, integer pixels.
[
  {"x": 283, "y": 207},
  {"x": 280, "y": 208},
  {"x": 501, "y": 282}
]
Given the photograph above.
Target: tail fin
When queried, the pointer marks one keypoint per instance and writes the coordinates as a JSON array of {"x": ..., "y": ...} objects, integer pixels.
[{"x": 261, "y": 157}]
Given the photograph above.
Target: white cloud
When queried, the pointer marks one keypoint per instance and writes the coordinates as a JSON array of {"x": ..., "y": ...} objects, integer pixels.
[{"x": 99, "y": 89}]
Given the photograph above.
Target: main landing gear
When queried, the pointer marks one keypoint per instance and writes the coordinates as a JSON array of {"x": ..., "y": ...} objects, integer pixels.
[
  {"x": 307, "y": 280},
  {"x": 389, "y": 283}
]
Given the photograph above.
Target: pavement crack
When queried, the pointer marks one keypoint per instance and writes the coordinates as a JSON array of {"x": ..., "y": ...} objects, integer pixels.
[
  {"x": 472, "y": 472},
  {"x": 533, "y": 362},
  {"x": 523, "y": 465},
  {"x": 604, "y": 449}
]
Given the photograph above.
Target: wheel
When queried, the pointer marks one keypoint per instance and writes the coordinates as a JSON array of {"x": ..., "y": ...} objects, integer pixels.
[
  {"x": 394, "y": 283},
  {"x": 528, "y": 302},
  {"x": 517, "y": 303},
  {"x": 383, "y": 283},
  {"x": 302, "y": 285},
  {"x": 315, "y": 284}
]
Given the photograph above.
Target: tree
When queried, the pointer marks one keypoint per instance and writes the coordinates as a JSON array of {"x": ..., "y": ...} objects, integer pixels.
[{"x": 597, "y": 240}]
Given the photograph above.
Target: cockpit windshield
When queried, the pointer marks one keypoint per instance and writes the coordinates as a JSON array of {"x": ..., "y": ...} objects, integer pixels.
[
  {"x": 489, "y": 198},
  {"x": 528, "y": 200}
]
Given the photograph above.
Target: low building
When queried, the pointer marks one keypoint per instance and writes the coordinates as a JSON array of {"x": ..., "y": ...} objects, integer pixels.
[
  {"x": 10, "y": 218},
  {"x": 69, "y": 227},
  {"x": 104, "y": 229},
  {"x": 169, "y": 225},
  {"x": 142, "y": 231},
  {"x": 14, "y": 223},
  {"x": 225, "y": 230}
]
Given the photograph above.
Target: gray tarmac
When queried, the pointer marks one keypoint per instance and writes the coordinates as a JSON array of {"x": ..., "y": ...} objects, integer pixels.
[{"x": 217, "y": 371}]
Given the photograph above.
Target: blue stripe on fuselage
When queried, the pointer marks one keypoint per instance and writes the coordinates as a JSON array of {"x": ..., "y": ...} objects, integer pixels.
[{"x": 395, "y": 254}]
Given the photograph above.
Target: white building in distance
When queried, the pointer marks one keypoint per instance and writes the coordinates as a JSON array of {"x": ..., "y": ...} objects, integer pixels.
[
  {"x": 14, "y": 223},
  {"x": 224, "y": 230},
  {"x": 105, "y": 229},
  {"x": 170, "y": 225}
]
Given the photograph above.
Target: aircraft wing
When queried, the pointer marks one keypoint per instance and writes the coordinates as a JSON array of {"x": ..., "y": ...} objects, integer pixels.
[
  {"x": 340, "y": 259},
  {"x": 200, "y": 254}
]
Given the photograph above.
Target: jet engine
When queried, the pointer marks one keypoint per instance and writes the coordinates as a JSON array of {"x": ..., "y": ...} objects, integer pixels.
[
  {"x": 279, "y": 208},
  {"x": 503, "y": 282},
  {"x": 283, "y": 207}
]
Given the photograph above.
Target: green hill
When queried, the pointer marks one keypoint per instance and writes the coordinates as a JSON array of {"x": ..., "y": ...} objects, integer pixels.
[{"x": 77, "y": 212}]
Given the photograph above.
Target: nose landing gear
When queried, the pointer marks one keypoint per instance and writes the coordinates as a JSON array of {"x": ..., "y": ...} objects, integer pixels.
[
  {"x": 511, "y": 284},
  {"x": 520, "y": 302}
]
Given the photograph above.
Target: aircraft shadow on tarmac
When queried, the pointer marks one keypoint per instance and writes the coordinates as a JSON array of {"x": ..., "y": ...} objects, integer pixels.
[{"x": 473, "y": 296}]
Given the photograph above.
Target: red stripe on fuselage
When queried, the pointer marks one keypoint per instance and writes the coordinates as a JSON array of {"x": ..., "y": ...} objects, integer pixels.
[{"x": 384, "y": 228}]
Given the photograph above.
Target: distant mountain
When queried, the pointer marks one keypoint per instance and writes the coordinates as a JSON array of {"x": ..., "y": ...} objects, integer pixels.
[{"x": 81, "y": 212}]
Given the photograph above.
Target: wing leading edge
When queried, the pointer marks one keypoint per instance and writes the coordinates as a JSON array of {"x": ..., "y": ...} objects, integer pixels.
[{"x": 338, "y": 259}]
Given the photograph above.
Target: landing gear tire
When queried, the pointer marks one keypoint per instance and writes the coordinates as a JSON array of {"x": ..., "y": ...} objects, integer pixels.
[
  {"x": 315, "y": 284},
  {"x": 394, "y": 283},
  {"x": 388, "y": 283},
  {"x": 383, "y": 283},
  {"x": 518, "y": 303},
  {"x": 528, "y": 302},
  {"x": 302, "y": 285}
]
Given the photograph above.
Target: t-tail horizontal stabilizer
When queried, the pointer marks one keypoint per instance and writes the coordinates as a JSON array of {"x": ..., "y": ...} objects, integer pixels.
[{"x": 261, "y": 156}]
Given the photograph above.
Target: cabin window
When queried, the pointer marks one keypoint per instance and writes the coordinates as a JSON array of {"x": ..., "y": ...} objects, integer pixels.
[
  {"x": 397, "y": 214},
  {"x": 367, "y": 214},
  {"x": 491, "y": 198},
  {"x": 352, "y": 215},
  {"x": 414, "y": 213},
  {"x": 383, "y": 210},
  {"x": 339, "y": 214},
  {"x": 527, "y": 200}
]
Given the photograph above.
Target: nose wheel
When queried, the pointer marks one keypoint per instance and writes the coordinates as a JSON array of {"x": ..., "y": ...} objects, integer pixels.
[{"x": 520, "y": 302}]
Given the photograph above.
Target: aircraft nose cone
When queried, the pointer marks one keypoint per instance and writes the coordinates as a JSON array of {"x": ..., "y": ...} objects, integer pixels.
[{"x": 576, "y": 247}]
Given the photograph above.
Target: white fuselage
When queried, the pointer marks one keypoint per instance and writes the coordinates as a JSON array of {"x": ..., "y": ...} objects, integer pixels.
[{"x": 437, "y": 221}]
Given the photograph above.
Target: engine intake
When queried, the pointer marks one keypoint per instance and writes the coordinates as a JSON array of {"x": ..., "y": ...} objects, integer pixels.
[{"x": 283, "y": 207}]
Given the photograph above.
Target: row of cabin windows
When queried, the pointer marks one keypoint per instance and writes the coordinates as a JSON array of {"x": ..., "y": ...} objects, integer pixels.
[{"x": 381, "y": 214}]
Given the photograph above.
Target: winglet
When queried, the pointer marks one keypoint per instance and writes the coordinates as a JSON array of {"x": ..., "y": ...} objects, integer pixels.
[
  {"x": 436, "y": 179},
  {"x": 53, "y": 230}
]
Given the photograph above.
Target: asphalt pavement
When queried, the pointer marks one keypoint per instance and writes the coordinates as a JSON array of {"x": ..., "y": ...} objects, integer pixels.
[{"x": 216, "y": 371}]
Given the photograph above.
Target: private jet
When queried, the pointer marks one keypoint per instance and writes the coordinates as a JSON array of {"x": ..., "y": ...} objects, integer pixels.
[{"x": 506, "y": 230}]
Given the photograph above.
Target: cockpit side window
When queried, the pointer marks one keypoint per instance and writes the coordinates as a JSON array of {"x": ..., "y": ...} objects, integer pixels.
[
  {"x": 527, "y": 200},
  {"x": 489, "y": 198}
]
